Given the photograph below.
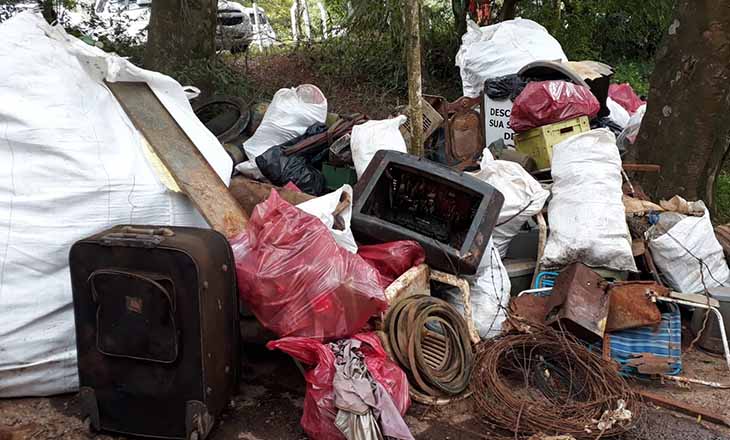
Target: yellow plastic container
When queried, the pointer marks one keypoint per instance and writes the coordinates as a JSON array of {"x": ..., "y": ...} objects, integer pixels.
[{"x": 538, "y": 143}]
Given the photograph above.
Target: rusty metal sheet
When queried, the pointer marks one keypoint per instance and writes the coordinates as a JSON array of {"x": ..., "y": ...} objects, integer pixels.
[
  {"x": 651, "y": 364},
  {"x": 585, "y": 309},
  {"x": 535, "y": 308},
  {"x": 631, "y": 306}
]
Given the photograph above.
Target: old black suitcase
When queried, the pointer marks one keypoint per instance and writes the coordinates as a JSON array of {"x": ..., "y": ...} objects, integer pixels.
[{"x": 156, "y": 312}]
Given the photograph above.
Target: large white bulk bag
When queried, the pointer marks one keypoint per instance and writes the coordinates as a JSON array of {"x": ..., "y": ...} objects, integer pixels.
[
  {"x": 586, "y": 214},
  {"x": 502, "y": 49},
  {"x": 689, "y": 256},
  {"x": 523, "y": 197},
  {"x": 489, "y": 294},
  {"x": 73, "y": 165}
]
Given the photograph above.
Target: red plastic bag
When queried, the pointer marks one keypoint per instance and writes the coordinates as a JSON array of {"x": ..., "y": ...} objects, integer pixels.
[
  {"x": 392, "y": 259},
  {"x": 295, "y": 278},
  {"x": 547, "y": 102},
  {"x": 625, "y": 96},
  {"x": 318, "y": 419}
]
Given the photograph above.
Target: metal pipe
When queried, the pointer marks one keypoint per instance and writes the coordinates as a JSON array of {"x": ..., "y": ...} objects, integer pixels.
[{"x": 714, "y": 310}]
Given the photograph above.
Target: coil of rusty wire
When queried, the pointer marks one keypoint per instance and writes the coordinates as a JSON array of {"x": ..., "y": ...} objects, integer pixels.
[
  {"x": 430, "y": 340},
  {"x": 546, "y": 382}
]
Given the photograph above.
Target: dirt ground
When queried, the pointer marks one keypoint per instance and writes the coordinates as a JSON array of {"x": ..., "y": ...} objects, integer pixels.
[{"x": 271, "y": 400}]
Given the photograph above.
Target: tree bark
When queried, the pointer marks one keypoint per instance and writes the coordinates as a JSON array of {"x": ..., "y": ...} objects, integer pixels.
[
  {"x": 509, "y": 9},
  {"x": 180, "y": 31},
  {"x": 413, "y": 49},
  {"x": 459, "y": 8},
  {"x": 686, "y": 129}
]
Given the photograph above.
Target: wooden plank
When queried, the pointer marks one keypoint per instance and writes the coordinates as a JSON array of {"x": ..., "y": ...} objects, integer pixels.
[
  {"x": 642, "y": 168},
  {"x": 187, "y": 165},
  {"x": 685, "y": 408},
  {"x": 250, "y": 193}
]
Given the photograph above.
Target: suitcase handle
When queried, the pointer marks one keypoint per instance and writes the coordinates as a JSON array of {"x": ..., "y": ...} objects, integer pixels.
[{"x": 137, "y": 237}]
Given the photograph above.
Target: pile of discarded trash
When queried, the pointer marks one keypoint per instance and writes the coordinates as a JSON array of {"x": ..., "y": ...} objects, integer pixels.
[{"x": 516, "y": 263}]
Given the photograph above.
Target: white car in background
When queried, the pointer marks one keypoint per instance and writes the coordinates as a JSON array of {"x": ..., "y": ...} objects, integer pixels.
[
  {"x": 234, "y": 31},
  {"x": 265, "y": 35}
]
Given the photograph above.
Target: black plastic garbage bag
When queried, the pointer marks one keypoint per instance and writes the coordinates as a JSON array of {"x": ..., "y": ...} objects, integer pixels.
[
  {"x": 504, "y": 87},
  {"x": 281, "y": 169}
]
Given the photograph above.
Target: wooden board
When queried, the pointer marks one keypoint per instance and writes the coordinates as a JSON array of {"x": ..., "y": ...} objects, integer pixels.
[
  {"x": 249, "y": 193},
  {"x": 187, "y": 165}
]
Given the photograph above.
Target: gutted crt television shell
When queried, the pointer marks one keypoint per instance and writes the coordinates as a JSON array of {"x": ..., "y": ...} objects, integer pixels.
[{"x": 460, "y": 255}]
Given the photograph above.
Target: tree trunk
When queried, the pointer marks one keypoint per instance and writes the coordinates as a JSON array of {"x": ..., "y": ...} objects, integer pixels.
[
  {"x": 509, "y": 9},
  {"x": 459, "y": 8},
  {"x": 413, "y": 56},
  {"x": 687, "y": 125},
  {"x": 180, "y": 31}
]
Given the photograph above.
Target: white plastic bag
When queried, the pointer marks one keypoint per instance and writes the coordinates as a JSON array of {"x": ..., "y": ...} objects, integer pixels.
[
  {"x": 74, "y": 166},
  {"x": 586, "y": 214},
  {"x": 502, "y": 49},
  {"x": 678, "y": 252},
  {"x": 369, "y": 138},
  {"x": 289, "y": 115},
  {"x": 489, "y": 294},
  {"x": 523, "y": 197},
  {"x": 617, "y": 114},
  {"x": 323, "y": 207}
]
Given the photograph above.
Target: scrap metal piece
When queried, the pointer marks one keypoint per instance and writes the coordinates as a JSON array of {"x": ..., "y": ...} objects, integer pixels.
[
  {"x": 683, "y": 407},
  {"x": 586, "y": 303},
  {"x": 651, "y": 364},
  {"x": 631, "y": 305}
]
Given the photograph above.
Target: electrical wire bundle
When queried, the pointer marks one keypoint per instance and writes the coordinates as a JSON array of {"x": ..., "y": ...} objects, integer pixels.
[
  {"x": 546, "y": 382},
  {"x": 430, "y": 340}
]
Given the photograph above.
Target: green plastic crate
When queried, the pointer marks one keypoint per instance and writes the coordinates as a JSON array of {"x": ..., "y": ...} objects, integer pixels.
[
  {"x": 335, "y": 177},
  {"x": 538, "y": 143}
]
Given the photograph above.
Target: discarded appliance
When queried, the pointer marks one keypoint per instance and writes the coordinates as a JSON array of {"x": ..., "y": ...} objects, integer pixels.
[
  {"x": 156, "y": 313},
  {"x": 450, "y": 213}
]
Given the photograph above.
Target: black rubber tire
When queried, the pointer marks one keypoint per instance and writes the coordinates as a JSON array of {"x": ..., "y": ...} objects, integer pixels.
[{"x": 234, "y": 132}]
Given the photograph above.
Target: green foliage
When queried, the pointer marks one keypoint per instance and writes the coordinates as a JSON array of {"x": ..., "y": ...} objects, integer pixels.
[
  {"x": 635, "y": 73},
  {"x": 611, "y": 31},
  {"x": 371, "y": 49},
  {"x": 213, "y": 77},
  {"x": 722, "y": 197}
]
